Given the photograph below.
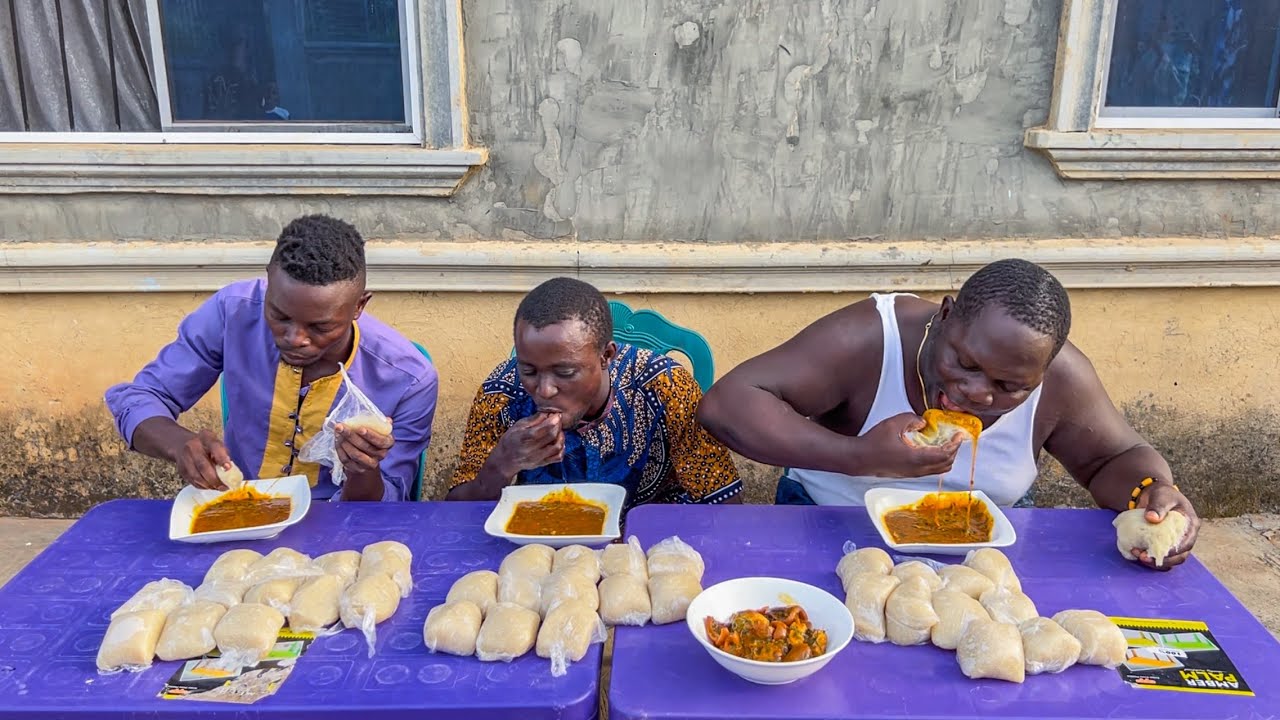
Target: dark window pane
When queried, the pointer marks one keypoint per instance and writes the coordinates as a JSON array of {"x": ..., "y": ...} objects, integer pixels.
[
  {"x": 313, "y": 61},
  {"x": 1195, "y": 54},
  {"x": 358, "y": 22}
]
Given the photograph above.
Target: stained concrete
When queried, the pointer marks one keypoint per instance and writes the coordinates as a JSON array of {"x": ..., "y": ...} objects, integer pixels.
[
  {"x": 1222, "y": 461},
  {"x": 1187, "y": 368},
  {"x": 730, "y": 121},
  {"x": 61, "y": 465}
]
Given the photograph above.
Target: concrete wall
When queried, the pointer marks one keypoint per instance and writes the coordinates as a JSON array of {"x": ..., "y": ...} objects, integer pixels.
[
  {"x": 1184, "y": 365},
  {"x": 733, "y": 120}
]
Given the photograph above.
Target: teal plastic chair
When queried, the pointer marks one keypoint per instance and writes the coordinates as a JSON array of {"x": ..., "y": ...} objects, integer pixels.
[
  {"x": 650, "y": 330},
  {"x": 415, "y": 492}
]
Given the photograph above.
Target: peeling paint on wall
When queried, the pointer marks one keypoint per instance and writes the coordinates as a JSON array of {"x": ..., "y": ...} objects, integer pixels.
[
  {"x": 1016, "y": 12},
  {"x": 687, "y": 34}
]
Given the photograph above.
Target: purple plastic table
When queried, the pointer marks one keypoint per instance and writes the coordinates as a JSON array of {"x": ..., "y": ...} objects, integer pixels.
[
  {"x": 54, "y": 612},
  {"x": 1066, "y": 559}
]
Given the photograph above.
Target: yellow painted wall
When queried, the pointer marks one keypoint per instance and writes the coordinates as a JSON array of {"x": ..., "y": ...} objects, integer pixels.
[{"x": 1192, "y": 368}]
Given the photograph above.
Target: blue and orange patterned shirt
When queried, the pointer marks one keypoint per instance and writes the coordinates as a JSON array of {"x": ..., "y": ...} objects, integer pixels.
[{"x": 648, "y": 440}]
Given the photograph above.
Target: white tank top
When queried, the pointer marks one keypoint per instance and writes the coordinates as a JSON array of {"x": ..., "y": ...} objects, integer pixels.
[{"x": 1006, "y": 460}]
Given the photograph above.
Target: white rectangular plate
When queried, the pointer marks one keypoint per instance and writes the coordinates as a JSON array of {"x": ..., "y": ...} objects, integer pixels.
[
  {"x": 879, "y": 501},
  {"x": 610, "y": 495},
  {"x": 184, "y": 506}
]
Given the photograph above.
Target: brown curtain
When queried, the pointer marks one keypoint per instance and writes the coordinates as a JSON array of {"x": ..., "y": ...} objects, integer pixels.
[{"x": 76, "y": 66}]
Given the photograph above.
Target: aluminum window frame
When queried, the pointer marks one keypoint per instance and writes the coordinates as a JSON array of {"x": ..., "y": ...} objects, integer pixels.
[
  {"x": 1083, "y": 144},
  {"x": 1176, "y": 118}
]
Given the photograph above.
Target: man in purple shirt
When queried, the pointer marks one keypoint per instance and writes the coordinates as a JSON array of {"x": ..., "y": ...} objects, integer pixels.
[{"x": 277, "y": 344}]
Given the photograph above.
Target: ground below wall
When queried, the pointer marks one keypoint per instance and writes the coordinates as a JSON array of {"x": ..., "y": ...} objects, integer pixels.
[{"x": 62, "y": 466}]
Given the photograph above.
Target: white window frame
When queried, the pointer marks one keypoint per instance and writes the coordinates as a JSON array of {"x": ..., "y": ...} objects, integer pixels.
[
  {"x": 1084, "y": 139},
  {"x": 432, "y": 158},
  {"x": 1173, "y": 118}
]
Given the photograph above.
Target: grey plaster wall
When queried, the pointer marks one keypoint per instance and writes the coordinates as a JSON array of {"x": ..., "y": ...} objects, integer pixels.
[{"x": 733, "y": 120}]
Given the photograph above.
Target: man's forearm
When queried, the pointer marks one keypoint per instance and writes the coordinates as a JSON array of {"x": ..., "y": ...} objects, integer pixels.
[
  {"x": 159, "y": 437},
  {"x": 1112, "y": 485},
  {"x": 493, "y": 476},
  {"x": 764, "y": 428}
]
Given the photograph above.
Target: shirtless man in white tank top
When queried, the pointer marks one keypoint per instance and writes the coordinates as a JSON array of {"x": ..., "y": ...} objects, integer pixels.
[{"x": 998, "y": 350}]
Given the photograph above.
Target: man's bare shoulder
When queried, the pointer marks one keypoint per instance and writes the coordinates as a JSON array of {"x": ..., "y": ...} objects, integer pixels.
[
  {"x": 1069, "y": 368},
  {"x": 1071, "y": 382},
  {"x": 849, "y": 331}
]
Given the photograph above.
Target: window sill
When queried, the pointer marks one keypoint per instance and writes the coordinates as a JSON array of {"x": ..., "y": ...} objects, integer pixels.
[
  {"x": 1160, "y": 154},
  {"x": 234, "y": 170},
  {"x": 425, "y": 265}
]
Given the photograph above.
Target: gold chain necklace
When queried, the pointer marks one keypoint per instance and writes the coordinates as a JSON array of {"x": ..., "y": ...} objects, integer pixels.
[{"x": 924, "y": 394}]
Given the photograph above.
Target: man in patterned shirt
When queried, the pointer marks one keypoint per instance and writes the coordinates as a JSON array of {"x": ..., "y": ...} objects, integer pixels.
[{"x": 575, "y": 406}]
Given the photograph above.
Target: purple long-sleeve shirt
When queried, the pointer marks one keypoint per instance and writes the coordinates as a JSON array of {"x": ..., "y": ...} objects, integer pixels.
[{"x": 270, "y": 413}]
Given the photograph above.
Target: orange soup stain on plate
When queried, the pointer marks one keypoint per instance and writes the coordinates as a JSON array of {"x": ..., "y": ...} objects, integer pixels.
[
  {"x": 243, "y": 507},
  {"x": 941, "y": 519},
  {"x": 563, "y": 512}
]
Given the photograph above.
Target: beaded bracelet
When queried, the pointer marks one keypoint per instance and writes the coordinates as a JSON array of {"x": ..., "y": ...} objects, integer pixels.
[{"x": 1137, "y": 491}]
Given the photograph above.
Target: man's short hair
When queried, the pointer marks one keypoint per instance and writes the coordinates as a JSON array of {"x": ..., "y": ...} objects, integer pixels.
[
  {"x": 1028, "y": 292},
  {"x": 320, "y": 250},
  {"x": 560, "y": 299}
]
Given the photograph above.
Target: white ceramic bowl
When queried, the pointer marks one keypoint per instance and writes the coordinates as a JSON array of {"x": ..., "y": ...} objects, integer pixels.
[
  {"x": 724, "y": 599},
  {"x": 610, "y": 495},
  {"x": 184, "y": 505},
  {"x": 882, "y": 500}
]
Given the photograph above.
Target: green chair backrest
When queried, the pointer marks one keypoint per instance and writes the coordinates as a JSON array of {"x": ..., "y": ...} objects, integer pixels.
[
  {"x": 415, "y": 492},
  {"x": 650, "y": 330}
]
